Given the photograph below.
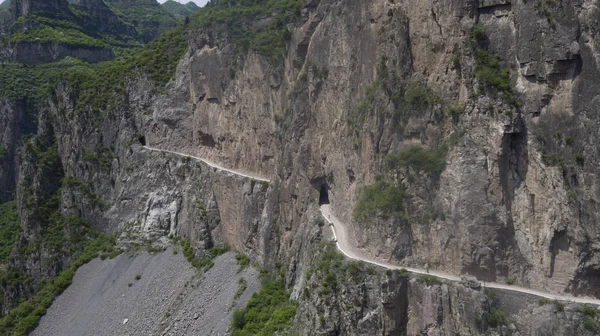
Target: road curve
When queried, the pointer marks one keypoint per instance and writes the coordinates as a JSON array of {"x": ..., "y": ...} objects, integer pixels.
[
  {"x": 342, "y": 240},
  {"x": 210, "y": 163}
]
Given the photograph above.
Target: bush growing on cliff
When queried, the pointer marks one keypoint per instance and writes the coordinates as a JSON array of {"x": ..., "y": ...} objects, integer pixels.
[
  {"x": 9, "y": 228},
  {"x": 497, "y": 317},
  {"x": 380, "y": 200},
  {"x": 488, "y": 66},
  {"x": 432, "y": 163},
  {"x": 269, "y": 311}
]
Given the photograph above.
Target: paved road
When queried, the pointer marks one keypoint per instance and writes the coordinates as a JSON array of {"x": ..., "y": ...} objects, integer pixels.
[
  {"x": 342, "y": 238},
  {"x": 210, "y": 163}
]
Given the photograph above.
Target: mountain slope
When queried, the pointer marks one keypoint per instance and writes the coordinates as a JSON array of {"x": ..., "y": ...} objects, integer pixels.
[
  {"x": 459, "y": 138},
  {"x": 148, "y": 16},
  {"x": 180, "y": 10}
]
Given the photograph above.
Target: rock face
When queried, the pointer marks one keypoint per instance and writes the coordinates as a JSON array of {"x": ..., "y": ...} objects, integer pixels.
[
  {"x": 41, "y": 53},
  {"x": 506, "y": 90},
  {"x": 12, "y": 122}
]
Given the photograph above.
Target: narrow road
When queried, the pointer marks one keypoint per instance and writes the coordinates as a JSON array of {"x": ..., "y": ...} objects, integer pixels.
[
  {"x": 210, "y": 163},
  {"x": 342, "y": 240}
]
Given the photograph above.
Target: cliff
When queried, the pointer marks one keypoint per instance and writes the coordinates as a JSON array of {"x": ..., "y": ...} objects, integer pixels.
[{"x": 454, "y": 135}]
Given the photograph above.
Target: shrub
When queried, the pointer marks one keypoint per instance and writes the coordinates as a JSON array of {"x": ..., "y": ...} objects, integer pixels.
[
  {"x": 242, "y": 261},
  {"x": 588, "y": 311},
  {"x": 268, "y": 312},
  {"x": 488, "y": 69},
  {"x": 560, "y": 306},
  {"x": 200, "y": 264},
  {"x": 419, "y": 159},
  {"x": 320, "y": 221},
  {"x": 591, "y": 324},
  {"x": 138, "y": 276},
  {"x": 478, "y": 33},
  {"x": 553, "y": 159},
  {"x": 419, "y": 98},
  {"x": 569, "y": 140},
  {"x": 243, "y": 285},
  {"x": 380, "y": 200},
  {"x": 430, "y": 280},
  {"x": 497, "y": 317},
  {"x": 218, "y": 250}
]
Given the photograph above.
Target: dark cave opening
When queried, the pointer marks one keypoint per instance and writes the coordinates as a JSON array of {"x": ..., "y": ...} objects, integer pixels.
[
  {"x": 324, "y": 195},
  {"x": 142, "y": 140}
]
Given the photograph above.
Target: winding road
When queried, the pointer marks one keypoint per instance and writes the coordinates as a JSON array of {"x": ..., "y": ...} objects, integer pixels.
[
  {"x": 342, "y": 240},
  {"x": 210, "y": 163}
]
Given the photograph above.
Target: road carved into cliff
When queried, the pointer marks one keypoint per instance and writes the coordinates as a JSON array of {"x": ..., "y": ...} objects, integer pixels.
[
  {"x": 210, "y": 163},
  {"x": 342, "y": 240}
]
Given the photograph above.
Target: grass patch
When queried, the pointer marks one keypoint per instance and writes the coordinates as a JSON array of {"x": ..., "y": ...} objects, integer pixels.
[
  {"x": 242, "y": 286},
  {"x": 200, "y": 264},
  {"x": 242, "y": 261}
]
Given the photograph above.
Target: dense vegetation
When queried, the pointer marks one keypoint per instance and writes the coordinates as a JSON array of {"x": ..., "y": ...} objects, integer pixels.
[
  {"x": 388, "y": 197},
  {"x": 380, "y": 200},
  {"x": 269, "y": 311},
  {"x": 180, "y": 10},
  {"x": 257, "y": 25},
  {"x": 160, "y": 58},
  {"x": 149, "y": 17},
  {"x": 9, "y": 228}
]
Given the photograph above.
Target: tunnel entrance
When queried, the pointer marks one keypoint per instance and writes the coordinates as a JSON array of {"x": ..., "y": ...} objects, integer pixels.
[
  {"x": 142, "y": 140},
  {"x": 324, "y": 195}
]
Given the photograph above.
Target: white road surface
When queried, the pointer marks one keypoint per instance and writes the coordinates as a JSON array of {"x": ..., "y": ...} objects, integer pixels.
[
  {"x": 342, "y": 239},
  {"x": 210, "y": 163}
]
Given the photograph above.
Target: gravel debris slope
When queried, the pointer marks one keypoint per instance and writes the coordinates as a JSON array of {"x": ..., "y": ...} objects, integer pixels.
[{"x": 149, "y": 294}]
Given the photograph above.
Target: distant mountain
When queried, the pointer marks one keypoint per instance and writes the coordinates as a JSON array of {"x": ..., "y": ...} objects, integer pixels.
[
  {"x": 42, "y": 31},
  {"x": 148, "y": 16},
  {"x": 180, "y": 10}
]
